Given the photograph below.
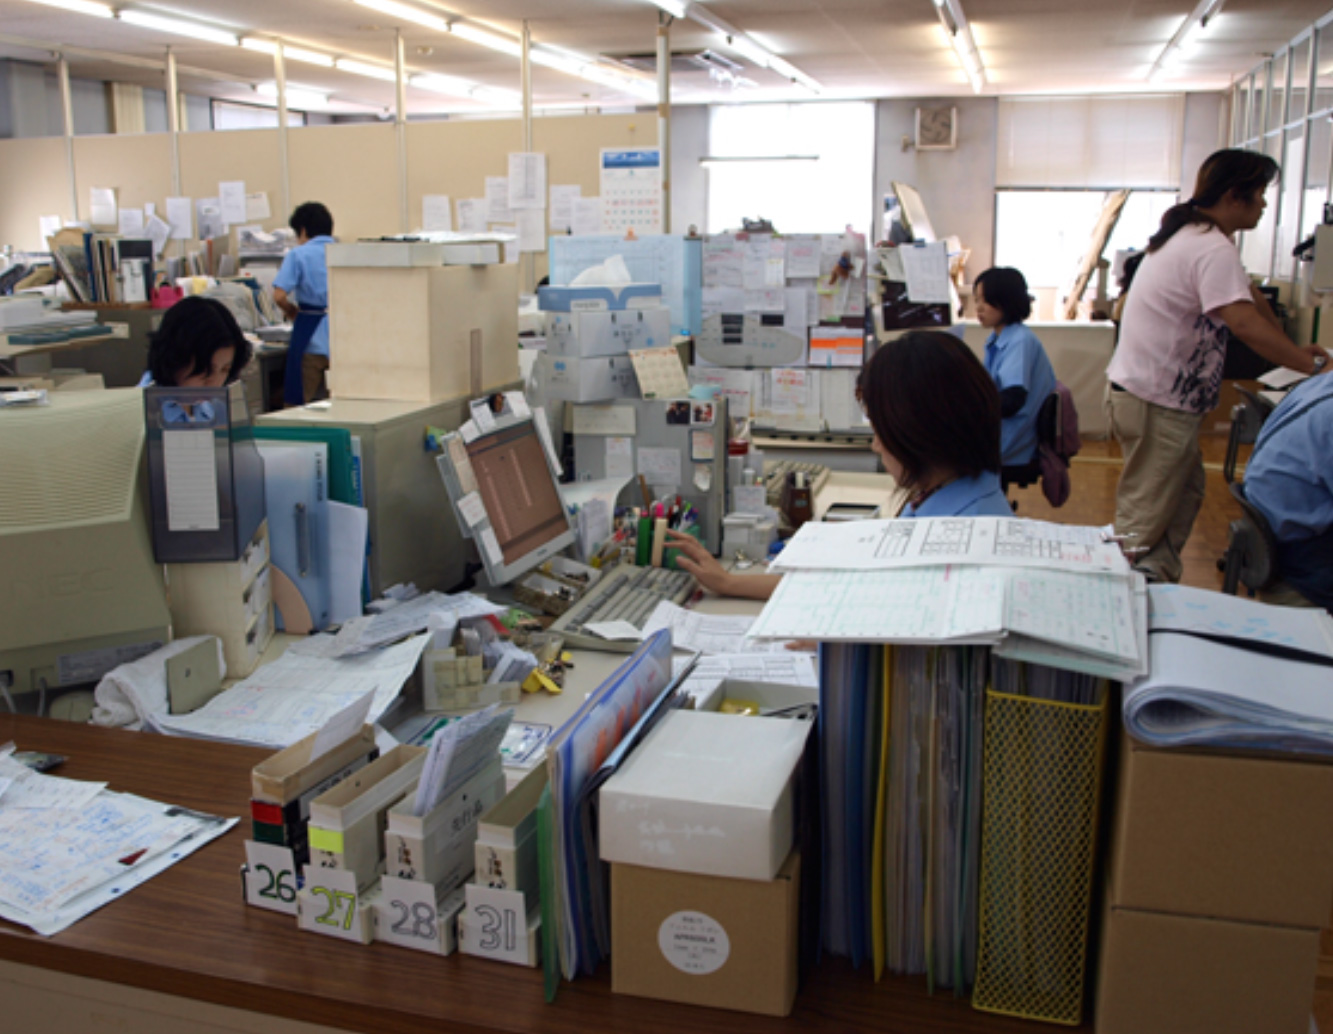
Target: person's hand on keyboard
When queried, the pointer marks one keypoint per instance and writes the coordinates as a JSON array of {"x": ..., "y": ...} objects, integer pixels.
[{"x": 709, "y": 573}]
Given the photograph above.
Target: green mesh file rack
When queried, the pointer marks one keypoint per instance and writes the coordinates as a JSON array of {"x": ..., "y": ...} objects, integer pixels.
[{"x": 1042, "y": 775}]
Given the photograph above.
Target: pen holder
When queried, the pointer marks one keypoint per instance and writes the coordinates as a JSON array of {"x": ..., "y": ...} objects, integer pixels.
[{"x": 669, "y": 558}]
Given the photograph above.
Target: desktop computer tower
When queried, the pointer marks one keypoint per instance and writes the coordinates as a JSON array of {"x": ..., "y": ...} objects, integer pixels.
[{"x": 413, "y": 534}]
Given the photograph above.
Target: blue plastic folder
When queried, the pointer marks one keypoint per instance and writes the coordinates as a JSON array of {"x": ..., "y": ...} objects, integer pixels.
[
  {"x": 584, "y": 753},
  {"x": 296, "y": 487}
]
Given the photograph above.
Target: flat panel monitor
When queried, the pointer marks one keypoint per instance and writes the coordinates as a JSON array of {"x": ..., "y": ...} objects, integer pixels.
[{"x": 503, "y": 486}]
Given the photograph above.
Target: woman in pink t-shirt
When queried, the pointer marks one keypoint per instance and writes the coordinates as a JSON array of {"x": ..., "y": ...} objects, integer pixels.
[{"x": 1167, "y": 368}]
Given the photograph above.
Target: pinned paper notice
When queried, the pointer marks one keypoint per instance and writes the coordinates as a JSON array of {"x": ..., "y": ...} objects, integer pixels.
[
  {"x": 256, "y": 207},
  {"x": 531, "y": 229},
  {"x": 497, "y": 200},
  {"x": 562, "y": 206},
  {"x": 231, "y": 195},
  {"x": 527, "y": 181},
  {"x": 660, "y": 374},
  {"x": 435, "y": 213},
  {"x": 130, "y": 222},
  {"x": 102, "y": 206},
  {"x": 660, "y": 466},
  {"x": 470, "y": 506},
  {"x": 180, "y": 214},
  {"x": 471, "y": 215},
  {"x": 619, "y": 457}
]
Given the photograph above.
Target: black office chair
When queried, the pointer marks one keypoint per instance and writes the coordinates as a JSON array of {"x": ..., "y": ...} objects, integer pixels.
[
  {"x": 1247, "y": 419},
  {"x": 1048, "y": 424},
  {"x": 1250, "y": 559}
]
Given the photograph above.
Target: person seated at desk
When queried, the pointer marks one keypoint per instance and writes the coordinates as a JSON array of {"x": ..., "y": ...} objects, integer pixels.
[
  {"x": 1018, "y": 364},
  {"x": 935, "y": 413},
  {"x": 1289, "y": 479},
  {"x": 199, "y": 344},
  {"x": 301, "y": 290}
]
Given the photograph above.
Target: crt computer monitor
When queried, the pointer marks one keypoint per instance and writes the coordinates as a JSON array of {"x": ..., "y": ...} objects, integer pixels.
[
  {"x": 81, "y": 592},
  {"x": 522, "y": 520}
]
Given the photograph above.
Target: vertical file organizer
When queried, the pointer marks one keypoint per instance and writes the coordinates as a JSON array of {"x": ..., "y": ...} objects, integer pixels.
[{"x": 1042, "y": 777}]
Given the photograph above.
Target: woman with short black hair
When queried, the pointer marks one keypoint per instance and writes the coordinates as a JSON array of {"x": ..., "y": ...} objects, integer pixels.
[
  {"x": 935, "y": 413},
  {"x": 198, "y": 345}
]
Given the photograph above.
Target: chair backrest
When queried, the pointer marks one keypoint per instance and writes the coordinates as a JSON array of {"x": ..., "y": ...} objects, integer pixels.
[
  {"x": 1252, "y": 549},
  {"x": 1057, "y": 423}
]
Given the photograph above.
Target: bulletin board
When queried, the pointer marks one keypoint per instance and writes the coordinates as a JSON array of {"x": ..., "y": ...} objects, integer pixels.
[
  {"x": 248, "y": 155},
  {"x": 351, "y": 169},
  {"x": 138, "y": 165}
]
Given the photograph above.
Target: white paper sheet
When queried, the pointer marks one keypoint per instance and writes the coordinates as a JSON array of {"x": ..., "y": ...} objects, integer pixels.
[
  {"x": 130, "y": 222},
  {"x": 802, "y": 257},
  {"x": 497, "y": 200},
  {"x": 607, "y": 418},
  {"x": 257, "y": 207},
  {"x": 562, "y": 206},
  {"x": 706, "y": 633},
  {"x": 348, "y": 530},
  {"x": 472, "y": 509},
  {"x": 49, "y": 225},
  {"x": 927, "y": 269},
  {"x": 296, "y": 694},
  {"x": 619, "y": 457},
  {"x": 491, "y": 546},
  {"x": 231, "y": 195},
  {"x": 102, "y": 206},
  {"x": 613, "y": 630},
  {"x": 159, "y": 232},
  {"x": 531, "y": 224},
  {"x": 31, "y": 789},
  {"x": 527, "y": 181},
  {"x": 587, "y": 215},
  {"x": 1008, "y": 541},
  {"x": 787, "y": 668},
  {"x": 471, "y": 215},
  {"x": 1183, "y": 609},
  {"x": 180, "y": 214},
  {"x": 661, "y": 467},
  {"x": 436, "y": 213},
  {"x": 342, "y": 726}
]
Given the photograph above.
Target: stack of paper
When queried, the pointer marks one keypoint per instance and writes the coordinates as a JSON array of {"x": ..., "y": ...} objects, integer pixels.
[
  {"x": 1229, "y": 672},
  {"x": 1047, "y": 593}
]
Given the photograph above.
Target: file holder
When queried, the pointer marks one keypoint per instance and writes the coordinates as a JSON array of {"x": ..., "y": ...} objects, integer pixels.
[
  {"x": 437, "y": 847},
  {"x": 347, "y": 822},
  {"x": 1041, "y": 788}
]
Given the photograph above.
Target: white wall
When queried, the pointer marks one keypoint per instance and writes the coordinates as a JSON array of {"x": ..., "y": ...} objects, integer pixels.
[
  {"x": 957, "y": 187},
  {"x": 689, "y": 179}
]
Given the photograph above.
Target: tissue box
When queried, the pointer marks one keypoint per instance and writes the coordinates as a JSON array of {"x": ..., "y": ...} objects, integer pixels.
[
  {"x": 706, "y": 793},
  {"x": 598, "y": 296},
  {"x": 581, "y": 333},
  {"x": 598, "y": 379}
]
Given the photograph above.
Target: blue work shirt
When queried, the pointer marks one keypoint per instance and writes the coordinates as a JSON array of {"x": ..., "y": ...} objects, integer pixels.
[
  {"x": 1290, "y": 480},
  {"x": 980, "y": 496},
  {"x": 1015, "y": 359},
  {"x": 305, "y": 278}
]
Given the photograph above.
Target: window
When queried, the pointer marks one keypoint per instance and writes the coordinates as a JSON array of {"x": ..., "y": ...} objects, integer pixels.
[
  {"x": 796, "y": 195},
  {"x": 1045, "y": 233},
  {"x": 228, "y": 115}
]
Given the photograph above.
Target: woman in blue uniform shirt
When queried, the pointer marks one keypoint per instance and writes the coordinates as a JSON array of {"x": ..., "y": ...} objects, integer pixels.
[
  {"x": 1017, "y": 363},
  {"x": 935, "y": 413}
]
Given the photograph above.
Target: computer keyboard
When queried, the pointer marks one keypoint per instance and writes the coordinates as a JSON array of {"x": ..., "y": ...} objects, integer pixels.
[
  {"x": 626, "y": 593},
  {"x": 776, "y": 475}
]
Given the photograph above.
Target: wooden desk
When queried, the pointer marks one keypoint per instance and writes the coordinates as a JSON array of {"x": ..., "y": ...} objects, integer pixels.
[{"x": 172, "y": 952}]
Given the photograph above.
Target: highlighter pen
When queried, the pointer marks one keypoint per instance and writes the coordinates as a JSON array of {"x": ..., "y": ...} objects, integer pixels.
[{"x": 643, "y": 546}]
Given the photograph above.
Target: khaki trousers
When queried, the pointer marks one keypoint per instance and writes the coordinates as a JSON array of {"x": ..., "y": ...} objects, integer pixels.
[
  {"x": 313, "y": 384},
  {"x": 1162, "y": 484}
]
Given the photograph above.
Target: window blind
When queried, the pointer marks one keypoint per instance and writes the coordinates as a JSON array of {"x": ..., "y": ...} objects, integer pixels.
[{"x": 1090, "y": 142}]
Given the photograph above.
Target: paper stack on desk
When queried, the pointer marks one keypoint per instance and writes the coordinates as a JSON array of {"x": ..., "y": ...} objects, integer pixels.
[
  {"x": 1229, "y": 672},
  {"x": 1046, "y": 593}
]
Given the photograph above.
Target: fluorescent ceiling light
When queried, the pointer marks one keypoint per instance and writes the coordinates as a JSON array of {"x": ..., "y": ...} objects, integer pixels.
[
  {"x": 959, "y": 34},
  {"x": 749, "y": 49},
  {"x": 179, "y": 27},
  {"x": 345, "y": 64},
  {"x": 297, "y": 96},
  {"x": 675, "y": 8},
  {"x": 80, "y": 7},
  {"x": 472, "y": 34},
  {"x": 268, "y": 46},
  {"x": 1188, "y": 33},
  {"x": 407, "y": 13},
  {"x": 582, "y": 68}
]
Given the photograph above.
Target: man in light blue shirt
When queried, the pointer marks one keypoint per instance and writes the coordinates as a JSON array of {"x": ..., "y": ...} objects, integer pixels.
[
  {"x": 301, "y": 290},
  {"x": 1290, "y": 480}
]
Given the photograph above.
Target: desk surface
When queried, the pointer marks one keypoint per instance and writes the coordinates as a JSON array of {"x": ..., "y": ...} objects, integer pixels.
[{"x": 187, "y": 933}]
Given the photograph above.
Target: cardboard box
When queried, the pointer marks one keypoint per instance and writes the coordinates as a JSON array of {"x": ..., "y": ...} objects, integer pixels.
[
  {"x": 1165, "y": 974},
  {"x": 580, "y": 334},
  {"x": 706, "y": 940},
  {"x": 598, "y": 379},
  {"x": 1241, "y": 838},
  {"x": 706, "y": 793}
]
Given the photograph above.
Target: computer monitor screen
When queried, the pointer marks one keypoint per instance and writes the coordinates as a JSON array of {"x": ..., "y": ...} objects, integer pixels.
[
  {"x": 503, "y": 487},
  {"x": 517, "y": 490}
]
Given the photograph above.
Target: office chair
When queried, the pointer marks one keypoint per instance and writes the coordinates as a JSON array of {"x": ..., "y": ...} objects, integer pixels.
[
  {"x": 1048, "y": 425},
  {"x": 1251, "y": 548},
  {"x": 1247, "y": 419}
]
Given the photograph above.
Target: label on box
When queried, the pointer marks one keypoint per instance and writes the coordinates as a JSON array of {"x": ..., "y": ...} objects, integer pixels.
[
  {"x": 694, "y": 943},
  {"x": 270, "y": 877},
  {"x": 330, "y": 903},
  {"x": 499, "y": 925}
]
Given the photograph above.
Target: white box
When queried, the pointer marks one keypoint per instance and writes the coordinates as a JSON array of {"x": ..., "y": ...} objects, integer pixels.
[
  {"x": 599, "y": 379},
  {"x": 581, "y": 333},
  {"x": 706, "y": 793}
]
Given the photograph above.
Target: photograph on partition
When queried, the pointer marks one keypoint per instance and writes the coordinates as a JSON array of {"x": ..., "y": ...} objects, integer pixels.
[
  {"x": 678, "y": 413},
  {"x": 703, "y": 414}
]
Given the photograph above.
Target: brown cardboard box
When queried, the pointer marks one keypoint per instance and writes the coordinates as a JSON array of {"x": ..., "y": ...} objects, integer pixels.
[
  {"x": 1165, "y": 974},
  {"x": 1242, "y": 838},
  {"x": 706, "y": 940}
]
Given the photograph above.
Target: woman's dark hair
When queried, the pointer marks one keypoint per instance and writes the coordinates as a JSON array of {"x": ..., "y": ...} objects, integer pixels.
[
  {"x": 191, "y": 331},
  {"x": 1006, "y": 290},
  {"x": 1229, "y": 171},
  {"x": 313, "y": 218},
  {"x": 1129, "y": 270},
  {"x": 933, "y": 406}
]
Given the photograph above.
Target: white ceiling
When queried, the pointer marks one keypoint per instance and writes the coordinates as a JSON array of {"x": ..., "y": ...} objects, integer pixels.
[{"x": 854, "y": 48}]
